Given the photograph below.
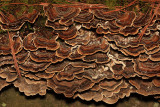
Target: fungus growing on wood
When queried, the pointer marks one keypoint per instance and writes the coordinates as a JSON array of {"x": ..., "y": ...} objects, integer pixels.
[
  {"x": 68, "y": 88},
  {"x": 31, "y": 87},
  {"x": 84, "y": 16},
  {"x": 70, "y": 33},
  {"x": 33, "y": 66},
  {"x": 64, "y": 14},
  {"x": 102, "y": 14},
  {"x": 92, "y": 24},
  {"x": 129, "y": 31},
  {"x": 97, "y": 57},
  {"x": 80, "y": 50},
  {"x": 45, "y": 39},
  {"x": 147, "y": 68},
  {"x": 126, "y": 19},
  {"x": 68, "y": 72},
  {"x": 63, "y": 51},
  {"x": 82, "y": 38},
  {"x": 56, "y": 25},
  {"x": 95, "y": 45}
]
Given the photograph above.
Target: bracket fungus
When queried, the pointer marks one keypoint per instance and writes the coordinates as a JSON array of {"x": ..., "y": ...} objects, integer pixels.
[{"x": 88, "y": 52}]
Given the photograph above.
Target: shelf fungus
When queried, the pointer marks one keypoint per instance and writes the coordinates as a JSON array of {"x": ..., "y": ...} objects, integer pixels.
[{"x": 88, "y": 52}]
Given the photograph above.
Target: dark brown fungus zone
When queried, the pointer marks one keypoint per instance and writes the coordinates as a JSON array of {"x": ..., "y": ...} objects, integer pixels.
[
  {"x": 31, "y": 76},
  {"x": 100, "y": 30},
  {"x": 68, "y": 72},
  {"x": 63, "y": 51},
  {"x": 5, "y": 45},
  {"x": 95, "y": 45},
  {"x": 33, "y": 66},
  {"x": 62, "y": 13},
  {"x": 112, "y": 26},
  {"x": 46, "y": 39},
  {"x": 97, "y": 57},
  {"x": 22, "y": 56},
  {"x": 145, "y": 87},
  {"x": 155, "y": 57},
  {"x": 44, "y": 75},
  {"x": 82, "y": 37},
  {"x": 55, "y": 25},
  {"x": 69, "y": 87},
  {"x": 42, "y": 55},
  {"x": 126, "y": 19},
  {"x": 141, "y": 20},
  {"x": 92, "y": 24},
  {"x": 80, "y": 50},
  {"x": 6, "y": 60},
  {"x": 151, "y": 41},
  {"x": 28, "y": 42},
  {"x": 70, "y": 33},
  {"x": 134, "y": 51},
  {"x": 148, "y": 68},
  {"x": 105, "y": 14},
  {"x": 57, "y": 67},
  {"x": 129, "y": 31},
  {"x": 84, "y": 16}
]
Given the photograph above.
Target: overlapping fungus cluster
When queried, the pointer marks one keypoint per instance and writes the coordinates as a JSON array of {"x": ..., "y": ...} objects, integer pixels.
[{"x": 90, "y": 53}]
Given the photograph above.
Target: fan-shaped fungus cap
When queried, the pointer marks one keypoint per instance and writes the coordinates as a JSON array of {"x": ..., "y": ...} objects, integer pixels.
[
  {"x": 68, "y": 88},
  {"x": 9, "y": 76},
  {"x": 105, "y": 14},
  {"x": 33, "y": 66},
  {"x": 95, "y": 45},
  {"x": 55, "y": 25},
  {"x": 82, "y": 38},
  {"x": 97, "y": 57},
  {"x": 145, "y": 87},
  {"x": 70, "y": 33},
  {"x": 148, "y": 68},
  {"x": 126, "y": 19},
  {"x": 68, "y": 72},
  {"x": 62, "y": 13},
  {"x": 31, "y": 87},
  {"x": 84, "y": 16},
  {"x": 63, "y": 51},
  {"x": 80, "y": 50},
  {"x": 129, "y": 31}
]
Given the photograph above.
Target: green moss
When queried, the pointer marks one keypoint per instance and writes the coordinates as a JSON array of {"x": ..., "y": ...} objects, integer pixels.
[
  {"x": 5, "y": 7},
  {"x": 30, "y": 9},
  {"x": 4, "y": 104},
  {"x": 145, "y": 8},
  {"x": 21, "y": 10},
  {"x": 111, "y": 3}
]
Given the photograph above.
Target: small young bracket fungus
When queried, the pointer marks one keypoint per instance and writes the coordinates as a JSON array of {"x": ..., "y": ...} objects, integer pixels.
[{"x": 80, "y": 50}]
